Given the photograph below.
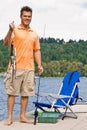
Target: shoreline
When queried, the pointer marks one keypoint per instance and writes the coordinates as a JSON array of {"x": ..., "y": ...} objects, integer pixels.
[{"x": 3, "y": 75}]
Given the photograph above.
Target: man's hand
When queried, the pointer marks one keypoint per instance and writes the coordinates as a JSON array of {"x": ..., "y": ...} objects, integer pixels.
[
  {"x": 40, "y": 69},
  {"x": 11, "y": 26}
]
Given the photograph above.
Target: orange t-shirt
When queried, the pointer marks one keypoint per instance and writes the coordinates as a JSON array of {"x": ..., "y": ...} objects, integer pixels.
[{"x": 25, "y": 42}]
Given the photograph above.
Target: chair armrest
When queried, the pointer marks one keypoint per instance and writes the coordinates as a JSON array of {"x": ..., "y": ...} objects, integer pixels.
[
  {"x": 58, "y": 96},
  {"x": 42, "y": 94}
]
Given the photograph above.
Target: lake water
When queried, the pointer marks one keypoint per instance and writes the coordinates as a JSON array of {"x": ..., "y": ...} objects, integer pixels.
[{"x": 51, "y": 85}]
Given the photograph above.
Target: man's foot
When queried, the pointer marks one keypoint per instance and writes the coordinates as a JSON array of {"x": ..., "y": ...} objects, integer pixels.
[
  {"x": 25, "y": 120},
  {"x": 8, "y": 122}
]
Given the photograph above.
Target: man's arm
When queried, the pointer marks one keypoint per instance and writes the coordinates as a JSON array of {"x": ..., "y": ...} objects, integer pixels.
[
  {"x": 37, "y": 55},
  {"x": 9, "y": 33}
]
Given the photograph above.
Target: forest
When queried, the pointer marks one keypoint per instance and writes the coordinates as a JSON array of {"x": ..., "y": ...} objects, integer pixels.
[{"x": 58, "y": 56}]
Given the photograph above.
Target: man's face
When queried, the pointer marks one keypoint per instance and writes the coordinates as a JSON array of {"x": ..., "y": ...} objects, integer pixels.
[{"x": 26, "y": 18}]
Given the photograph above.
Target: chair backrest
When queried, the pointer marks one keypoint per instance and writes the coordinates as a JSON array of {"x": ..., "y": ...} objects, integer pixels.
[{"x": 69, "y": 88}]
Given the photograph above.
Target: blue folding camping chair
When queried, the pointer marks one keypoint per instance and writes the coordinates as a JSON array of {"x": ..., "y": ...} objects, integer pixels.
[{"x": 67, "y": 96}]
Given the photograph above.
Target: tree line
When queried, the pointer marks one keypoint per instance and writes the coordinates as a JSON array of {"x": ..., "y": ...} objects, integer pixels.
[{"x": 58, "y": 56}]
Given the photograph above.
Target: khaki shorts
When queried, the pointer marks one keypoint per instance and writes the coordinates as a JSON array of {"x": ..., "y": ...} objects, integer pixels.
[{"x": 23, "y": 83}]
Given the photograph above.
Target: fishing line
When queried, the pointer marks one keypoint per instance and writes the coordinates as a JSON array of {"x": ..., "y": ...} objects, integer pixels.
[{"x": 38, "y": 87}]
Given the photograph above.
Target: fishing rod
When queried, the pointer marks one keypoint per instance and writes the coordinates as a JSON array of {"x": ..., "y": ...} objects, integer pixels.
[{"x": 36, "y": 111}]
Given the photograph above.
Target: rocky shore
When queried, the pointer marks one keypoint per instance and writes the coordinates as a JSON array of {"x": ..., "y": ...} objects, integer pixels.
[{"x": 2, "y": 74}]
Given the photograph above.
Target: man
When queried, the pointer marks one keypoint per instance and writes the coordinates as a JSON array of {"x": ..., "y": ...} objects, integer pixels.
[{"x": 26, "y": 43}]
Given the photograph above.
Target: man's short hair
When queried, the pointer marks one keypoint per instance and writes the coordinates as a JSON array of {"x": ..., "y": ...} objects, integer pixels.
[{"x": 25, "y": 8}]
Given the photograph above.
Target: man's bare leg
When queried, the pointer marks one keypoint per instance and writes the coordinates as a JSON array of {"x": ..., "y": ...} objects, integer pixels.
[
  {"x": 24, "y": 103},
  {"x": 10, "y": 105}
]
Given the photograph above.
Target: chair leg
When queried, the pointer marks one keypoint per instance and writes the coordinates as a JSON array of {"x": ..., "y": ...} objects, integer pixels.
[
  {"x": 65, "y": 113},
  {"x": 68, "y": 107},
  {"x": 41, "y": 108}
]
